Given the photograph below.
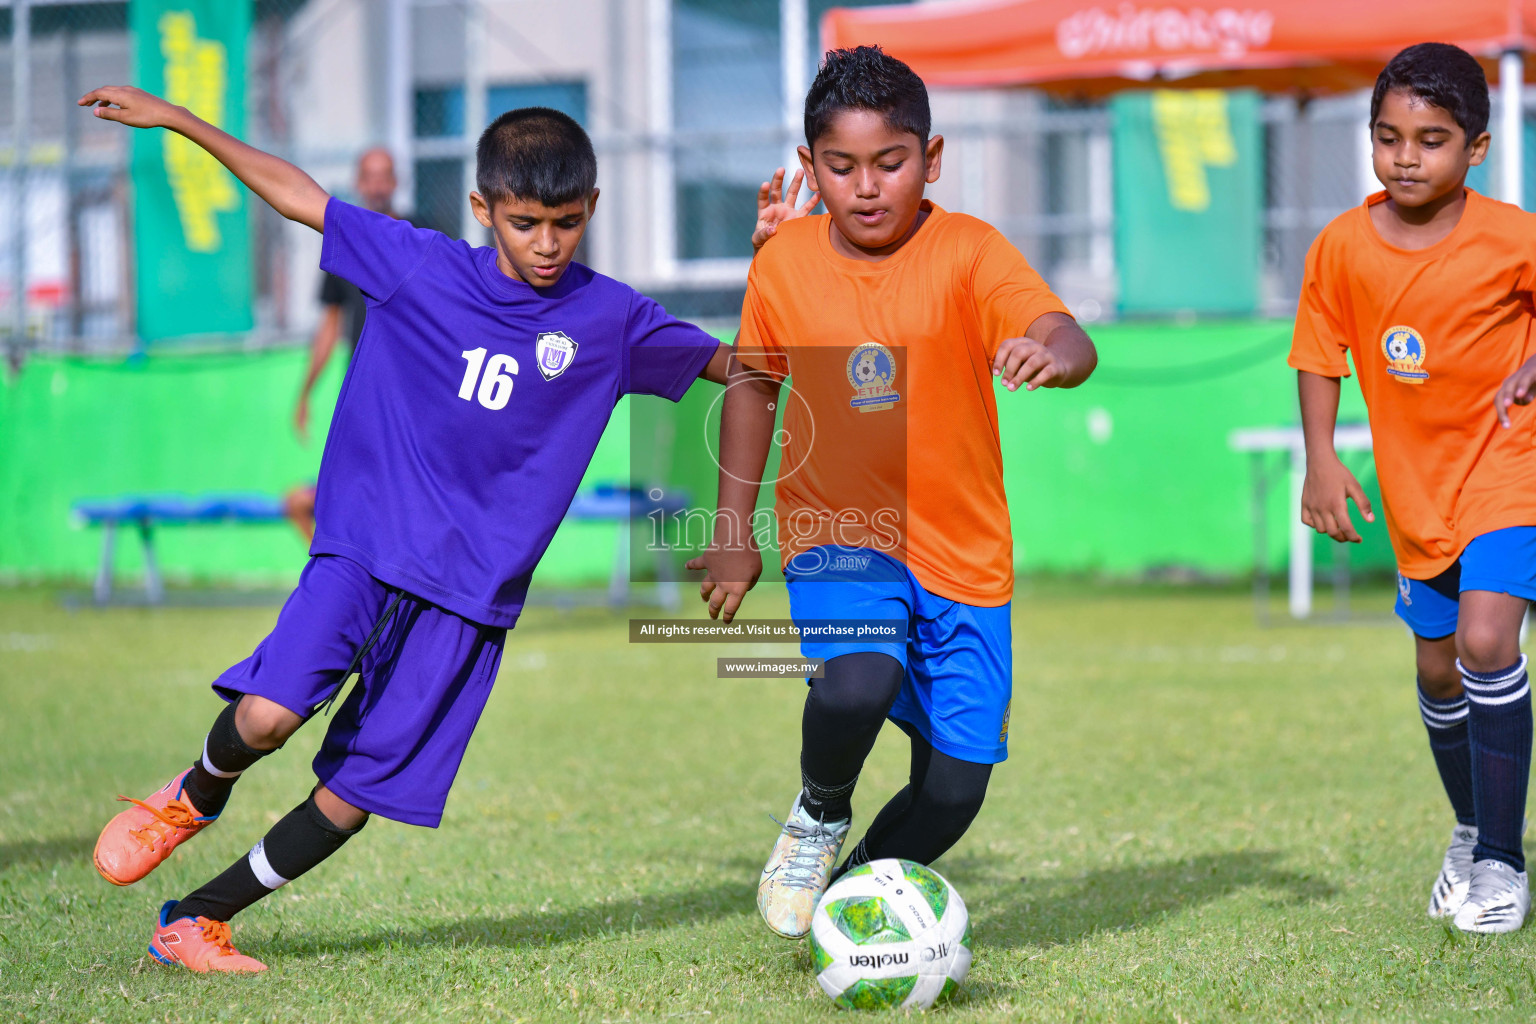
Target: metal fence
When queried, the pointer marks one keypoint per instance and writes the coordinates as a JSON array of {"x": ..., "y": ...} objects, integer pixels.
[
  {"x": 64, "y": 261},
  {"x": 66, "y": 258},
  {"x": 678, "y": 188}
]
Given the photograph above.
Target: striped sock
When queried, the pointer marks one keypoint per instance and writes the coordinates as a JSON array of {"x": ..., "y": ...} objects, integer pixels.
[
  {"x": 225, "y": 756},
  {"x": 1499, "y": 734},
  {"x": 1446, "y": 721}
]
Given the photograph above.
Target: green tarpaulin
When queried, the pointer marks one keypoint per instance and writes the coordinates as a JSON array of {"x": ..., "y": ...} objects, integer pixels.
[{"x": 1189, "y": 178}]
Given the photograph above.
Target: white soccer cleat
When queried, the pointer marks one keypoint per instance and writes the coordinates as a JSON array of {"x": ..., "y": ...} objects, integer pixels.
[
  {"x": 1450, "y": 888},
  {"x": 1497, "y": 900},
  {"x": 798, "y": 871}
]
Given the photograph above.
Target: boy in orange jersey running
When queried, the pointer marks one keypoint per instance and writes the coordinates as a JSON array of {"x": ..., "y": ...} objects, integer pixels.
[
  {"x": 1428, "y": 287},
  {"x": 896, "y": 320}
]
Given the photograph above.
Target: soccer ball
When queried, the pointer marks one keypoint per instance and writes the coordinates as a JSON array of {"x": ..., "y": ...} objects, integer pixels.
[{"x": 890, "y": 933}]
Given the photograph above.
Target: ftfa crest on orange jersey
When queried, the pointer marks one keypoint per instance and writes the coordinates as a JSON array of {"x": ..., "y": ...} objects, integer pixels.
[
  {"x": 1404, "y": 348},
  {"x": 872, "y": 372}
]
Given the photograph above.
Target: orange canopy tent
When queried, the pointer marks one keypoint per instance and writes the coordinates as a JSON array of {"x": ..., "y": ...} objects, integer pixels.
[
  {"x": 1094, "y": 48},
  {"x": 1278, "y": 44}
]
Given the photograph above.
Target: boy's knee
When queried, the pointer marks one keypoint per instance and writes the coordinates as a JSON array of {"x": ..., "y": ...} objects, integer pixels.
[
  {"x": 946, "y": 814},
  {"x": 1483, "y": 647},
  {"x": 1435, "y": 661},
  {"x": 263, "y": 724},
  {"x": 958, "y": 798},
  {"x": 859, "y": 687},
  {"x": 338, "y": 812},
  {"x": 1440, "y": 686},
  {"x": 957, "y": 807}
]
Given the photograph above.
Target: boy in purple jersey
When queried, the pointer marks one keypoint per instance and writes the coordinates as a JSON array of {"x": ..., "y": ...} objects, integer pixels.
[{"x": 479, "y": 388}]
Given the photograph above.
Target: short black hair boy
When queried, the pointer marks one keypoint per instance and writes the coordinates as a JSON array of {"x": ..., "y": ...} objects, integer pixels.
[
  {"x": 1443, "y": 75},
  {"x": 535, "y": 153},
  {"x": 867, "y": 78}
]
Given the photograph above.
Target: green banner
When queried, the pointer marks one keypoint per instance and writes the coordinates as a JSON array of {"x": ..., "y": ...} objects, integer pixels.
[
  {"x": 1189, "y": 195},
  {"x": 192, "y": 235}
]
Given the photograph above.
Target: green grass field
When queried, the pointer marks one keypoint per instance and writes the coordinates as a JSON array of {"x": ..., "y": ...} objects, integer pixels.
[{"x": 1201, "y": 820}]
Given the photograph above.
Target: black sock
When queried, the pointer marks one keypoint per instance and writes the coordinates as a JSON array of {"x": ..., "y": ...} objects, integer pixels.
[
  {"x": 304, "y": 838},
  {"x": 826, "y": 803},
  {"x": 843, "y": 714},
  {"x": 225, "y": 756},
  {"x": 1446, "y": 721},
  {"x": 1499, "y": 733},
  {"x": 856, "y": 856}
]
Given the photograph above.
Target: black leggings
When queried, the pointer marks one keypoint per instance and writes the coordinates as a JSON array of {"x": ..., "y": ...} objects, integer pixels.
[{"x": 843, "y": 715}]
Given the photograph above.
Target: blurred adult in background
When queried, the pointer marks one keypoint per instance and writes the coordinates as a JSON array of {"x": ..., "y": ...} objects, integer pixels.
[
  {"x": 342, "y": 308},
  {"x": 341, "y": 317}
]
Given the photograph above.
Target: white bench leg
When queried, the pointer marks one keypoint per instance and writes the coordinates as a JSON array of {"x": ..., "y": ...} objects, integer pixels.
[
  {"x": 154, "y": 589},
  {"x": 1301, "y": 542},
  {"x": 618, "y": 579},
  {"x": 102, "y": 591},
  {"x": 667, "y": 591}
]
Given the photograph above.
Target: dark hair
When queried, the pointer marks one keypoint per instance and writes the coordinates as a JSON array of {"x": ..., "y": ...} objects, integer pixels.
[
  {"x": 866, "y": 78},
  {"x": 535, "y": 153},
  {"x": 1440, "y": 74}
]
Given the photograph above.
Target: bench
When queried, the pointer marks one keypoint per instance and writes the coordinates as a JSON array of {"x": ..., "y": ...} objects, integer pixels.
[
  {"x": 605, "y": 502},
  {"x": 148, "y": 511}
]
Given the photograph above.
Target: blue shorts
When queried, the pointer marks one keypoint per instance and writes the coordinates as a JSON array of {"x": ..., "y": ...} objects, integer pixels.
[
  {"x": 958, "y": 657},
  {"x": 395, "y": 743},
  {"x": 1503, "y": 561}
]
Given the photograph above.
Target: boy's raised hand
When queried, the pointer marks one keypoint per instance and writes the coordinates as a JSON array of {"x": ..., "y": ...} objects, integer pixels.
[
  {"x": 128, "y": 105},
  {"x": 1519, "y": 388},
  {"x": 1325, "y": 498},
  {"x": 774, "y": 207}
]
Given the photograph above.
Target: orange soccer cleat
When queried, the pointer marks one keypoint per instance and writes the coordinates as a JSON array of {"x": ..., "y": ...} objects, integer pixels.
[
  {"x": 139, "y": 839},
  {"x": 198, "y": 945}
]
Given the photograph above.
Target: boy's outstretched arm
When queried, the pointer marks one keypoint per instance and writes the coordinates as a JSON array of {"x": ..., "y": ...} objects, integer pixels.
[
  {"x": 775, "y": 206},
  {"x": 1329, "y": 485},
  {"x": 286, "y": 189},
  {"x": 1054, "y": 353},
  {"x": 733, "y": 563}
]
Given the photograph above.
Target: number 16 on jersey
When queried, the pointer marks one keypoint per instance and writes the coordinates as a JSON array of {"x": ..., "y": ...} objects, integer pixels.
[{"x": 495, "y": 386}]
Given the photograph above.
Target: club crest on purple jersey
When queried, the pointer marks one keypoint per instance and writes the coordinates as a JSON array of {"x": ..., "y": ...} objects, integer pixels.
[{"x": 555, "y": 353}]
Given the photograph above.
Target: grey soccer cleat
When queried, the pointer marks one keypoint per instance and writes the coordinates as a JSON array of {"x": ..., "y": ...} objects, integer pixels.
[
  {"x": 1497, "y": 900},
  {"x": 1450, "y": 888}
]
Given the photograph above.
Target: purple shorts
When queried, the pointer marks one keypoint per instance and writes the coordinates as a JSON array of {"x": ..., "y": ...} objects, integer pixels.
[{"x": 395, "y": 743}]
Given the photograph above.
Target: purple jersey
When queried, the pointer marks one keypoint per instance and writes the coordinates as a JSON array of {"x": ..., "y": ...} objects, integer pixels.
[{"x": 472, "y": 407}]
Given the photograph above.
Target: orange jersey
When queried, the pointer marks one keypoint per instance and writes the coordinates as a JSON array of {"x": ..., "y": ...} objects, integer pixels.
[
  {"x": 1433, "y": 333},
  {"x": 890, "y": 415}
]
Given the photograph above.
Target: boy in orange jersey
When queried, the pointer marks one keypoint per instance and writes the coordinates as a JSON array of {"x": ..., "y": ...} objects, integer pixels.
[
  {"x": 1428, "y": 286},
  {"x": 895, "y": 321}
]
